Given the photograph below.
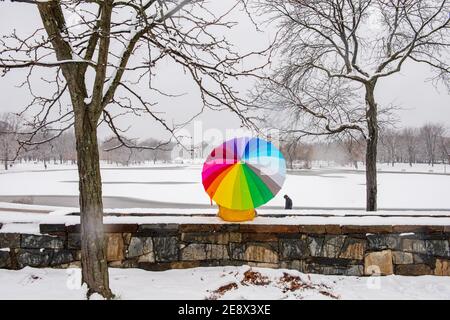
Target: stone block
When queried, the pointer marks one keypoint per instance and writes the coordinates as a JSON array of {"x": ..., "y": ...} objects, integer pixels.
[
  {"x": 258, "y": 237},
  {"x": 355, "y": 270},
  {"x": 31, "y": 241},
  {"x": 5, "y": 260},
  {"x": 230, "y": 227},
  {"x": 439, "y": 248},
  {"x": 378, "y": 263},
  {"x": 148, "y": 257},
  {"x": 353, "y": 249},
  {"x": 335, "y": 269},
  {"x": 141, "y": 247},
  {"x": 291, "y": 249},
  {"x": 33, "y": 258},
  {"x": 216, "y": 238},
  {"x": 315, "y": 246},
  {"x": 383, "y": 241},
  {"x": 423, "y": 258},
  {"x": 333, "y": 229},
  {"x": 352, "y": 270},
  {"x": 59, "y": 257},
  {"x": 442, "y": 267},
  {"x": 194, "y": 252},
  {"x": 202, "y": 251},
  {"x": 216, "y": 252},
  {"x": 185, "y": 228},
  {"x": 332, "y": 245},
  {"x": 312, "y": 229},
  {"x": 258, "y": 253},
  {"x": 409, "y": 229},
  {"x": 126, "y": 238},
  {"x": 400, "y": 257},
  {"x": 158, "y": 229},
  {"x": 9, "y": 240},
  {"x": 237, "y": 250},
  {"x": 165, "y": 248},
  {"x": 73, "y": 228},
  {"x": 263, "y": 265},
  {"x": 52, "y": 228},
  {"x": 120, "y": 228},
  {"x": 357, "y": 229},
  {"x": 293, "y": 264},
  {"x": 114, "y": 247},
  {"x": 413, "y": 269},
  {"x": 74, "y": 241},
  {"x": 414, "y": 245},
  {"x": 267, "y": 228}
]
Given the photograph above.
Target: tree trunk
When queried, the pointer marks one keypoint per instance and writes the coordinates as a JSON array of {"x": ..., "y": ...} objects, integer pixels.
[
  {"x": 371, "y": 151},
  {"x": 93, "y": 250},
  {"x": 6, "y": 164}
]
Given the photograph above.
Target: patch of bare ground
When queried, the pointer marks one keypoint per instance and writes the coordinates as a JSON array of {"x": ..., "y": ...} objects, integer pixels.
[
  {"x": 216, "y": 294},
  {"x": 289, "y": 282},
  {"x": 254, "y": 278}
]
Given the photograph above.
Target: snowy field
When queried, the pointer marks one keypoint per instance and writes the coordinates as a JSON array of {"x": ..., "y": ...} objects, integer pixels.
[
  {"x": 179, "y": 186},
  {"x": 221, "y": 283}
]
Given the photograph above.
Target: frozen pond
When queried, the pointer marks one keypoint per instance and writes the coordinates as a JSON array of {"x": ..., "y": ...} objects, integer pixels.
[{"x": 177, "y": 186}]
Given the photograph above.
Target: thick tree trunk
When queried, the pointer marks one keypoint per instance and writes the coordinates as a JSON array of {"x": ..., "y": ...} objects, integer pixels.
[
  {"x": 371, "y": 150},
  {"x": 93, "y": 251}
]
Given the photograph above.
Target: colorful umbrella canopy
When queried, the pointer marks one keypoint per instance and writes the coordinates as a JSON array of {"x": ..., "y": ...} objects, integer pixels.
[{"x": 244, "y": 173}]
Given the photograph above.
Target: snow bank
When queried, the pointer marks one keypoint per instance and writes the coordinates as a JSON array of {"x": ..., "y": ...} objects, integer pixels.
[{"x": 202, "y": 283}]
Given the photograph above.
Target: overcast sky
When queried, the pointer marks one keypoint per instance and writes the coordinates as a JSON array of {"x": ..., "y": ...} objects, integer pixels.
[{"x": 419, "y": 100}]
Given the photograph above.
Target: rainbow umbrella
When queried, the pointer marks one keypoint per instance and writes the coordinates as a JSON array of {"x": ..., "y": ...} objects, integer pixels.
[{"x": 243, "y": 173}]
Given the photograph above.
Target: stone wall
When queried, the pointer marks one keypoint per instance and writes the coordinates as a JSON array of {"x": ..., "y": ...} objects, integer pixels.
[{"x": 326, "y": 249}]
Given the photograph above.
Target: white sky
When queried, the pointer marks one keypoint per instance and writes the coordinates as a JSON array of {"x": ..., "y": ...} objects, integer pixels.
[{"x": 421, "y": 102}]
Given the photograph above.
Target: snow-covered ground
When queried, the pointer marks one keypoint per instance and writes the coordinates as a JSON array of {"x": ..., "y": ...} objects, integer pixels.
[
  {"x": 400, "y": 187},
  {"x": 221, "y": 283}
]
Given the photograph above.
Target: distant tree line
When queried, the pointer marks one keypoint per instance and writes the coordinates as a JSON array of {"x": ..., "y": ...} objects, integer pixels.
[
  {"x": 59, "y": 147},
  {"x": 428, "y": 144}
]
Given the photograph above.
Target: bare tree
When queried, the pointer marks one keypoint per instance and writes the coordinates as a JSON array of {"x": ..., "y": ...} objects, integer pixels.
[
  {"x": 64, "y": 147},
  {"x": 113, "y": 151},
  {"x": 89, "y": 60},
  {"x": 353, "y": 148},
  {"x": 390, "y": 141},
  {"x": 334, "y": 53},
  {"x": 9, "y": 146},
  {"x": 431, "y": 136},
  {"x": 288, "y": 147},
  {"x": 157, "y": 153},
  {"x": 409, "y": 139}
]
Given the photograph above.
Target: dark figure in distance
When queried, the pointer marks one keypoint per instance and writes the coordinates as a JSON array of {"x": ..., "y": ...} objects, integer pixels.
[{"x": 288, "y": 202}]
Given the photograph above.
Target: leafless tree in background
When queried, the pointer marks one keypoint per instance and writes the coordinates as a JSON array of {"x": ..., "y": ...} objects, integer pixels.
[
  {"x": 353, "y": 147},
  {"x": 98, "y": 62},
  {"x": 296, "y": 151},
  {"x": 335, "y": 52},
  {"x": 431, "y": 136},
  {"x": 64, "y": 147},
  {"x": 389, "y": 140},
  {"x": 9, "y": 125},
  {"x": 409, "y": 138}
]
